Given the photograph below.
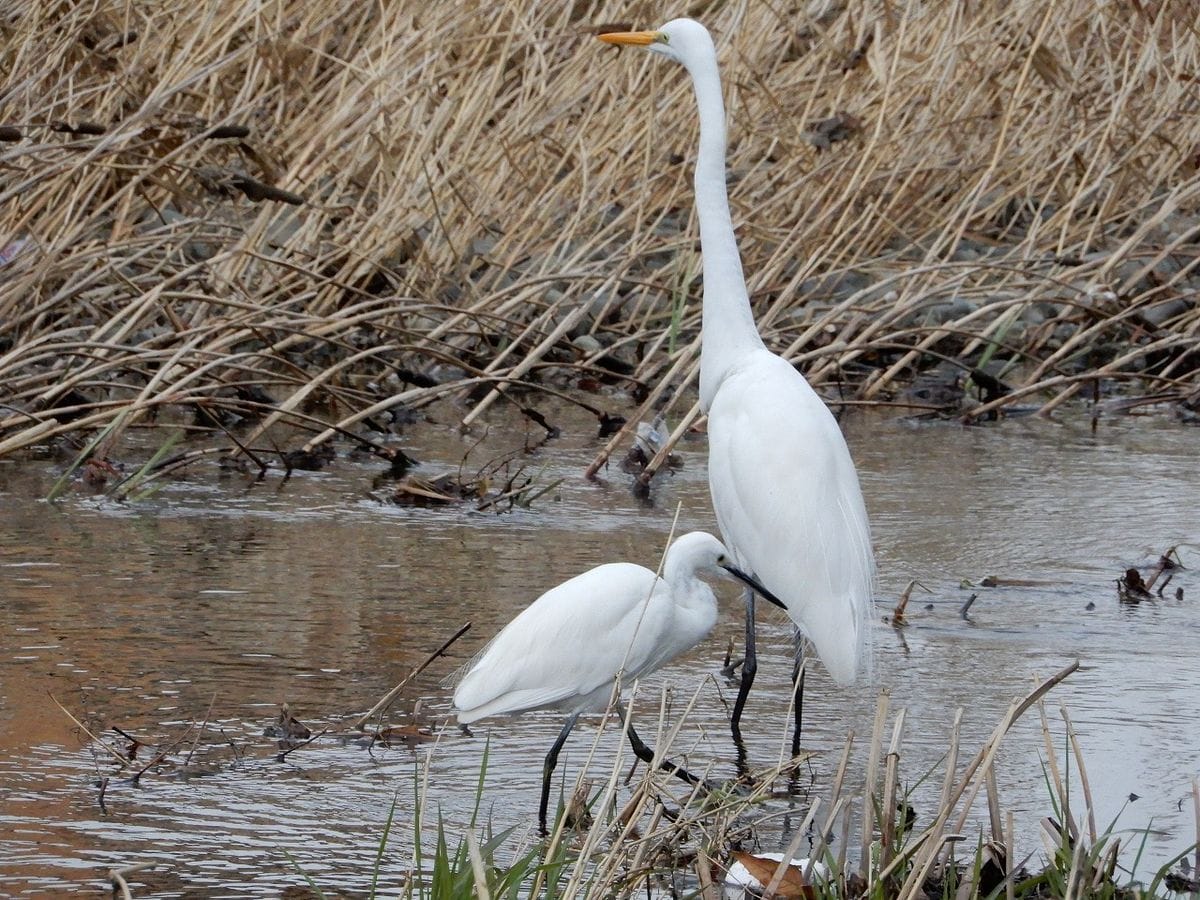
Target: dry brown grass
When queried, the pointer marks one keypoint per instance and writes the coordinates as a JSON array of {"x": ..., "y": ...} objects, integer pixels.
[{"x": 1010, "y": 185}]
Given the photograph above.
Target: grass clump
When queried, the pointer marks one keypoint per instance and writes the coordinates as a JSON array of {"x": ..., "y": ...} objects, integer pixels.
[{"x": 684, "y": 844}]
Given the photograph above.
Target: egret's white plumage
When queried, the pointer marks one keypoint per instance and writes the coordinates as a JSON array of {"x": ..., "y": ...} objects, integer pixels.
[
  {"x": 564, "y": 650},
  {"x": 567, "y": 647},
  {"x": 783, "y": 485}
]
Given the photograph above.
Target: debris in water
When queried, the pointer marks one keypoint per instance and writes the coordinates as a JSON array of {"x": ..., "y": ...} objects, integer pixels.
[
  {"x": 610, "y": 425},
  {"x": 399, "y": 463},
  {"x": 1181, "y": 883},
  {"x": 308, "y": 460},
  {"x": 1133, "y": 588},
  {"x": 552, "y": 431},
  {"x": 414, "y": 491},
  {"x": 406, "y": 734},
  {"x": 649, "y": 438},
  {"x": 494, "y": 486},
  {"x": 752, "y": 872},
  {"x": 96, "y": 472},
  {"x": 287, "y": 727},
  {"x": 897, "y": 620},
  {"x": 991, "y": 581}
]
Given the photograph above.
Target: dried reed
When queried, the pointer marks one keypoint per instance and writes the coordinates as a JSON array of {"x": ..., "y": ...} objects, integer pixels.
[{"x": 318, "y": 212}]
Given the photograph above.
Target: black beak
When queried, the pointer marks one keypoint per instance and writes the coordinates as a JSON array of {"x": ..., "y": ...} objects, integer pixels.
[{"x": 755, "y": 586}]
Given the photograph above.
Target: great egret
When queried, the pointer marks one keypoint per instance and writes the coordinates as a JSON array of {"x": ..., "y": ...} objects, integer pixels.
[
  {"x": 783, "y": 485},
  {"x": 564, "y": 650}
]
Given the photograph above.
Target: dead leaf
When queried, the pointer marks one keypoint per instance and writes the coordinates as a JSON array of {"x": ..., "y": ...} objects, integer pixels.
[
  {"x": 1046, "y": 64},
  {"x": 410, "y": 734}
]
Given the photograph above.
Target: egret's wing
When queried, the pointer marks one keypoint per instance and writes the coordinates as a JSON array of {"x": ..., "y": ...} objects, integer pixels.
[
  {"x": 568, "y": 643},
  {"x": 788, "y": 502}
]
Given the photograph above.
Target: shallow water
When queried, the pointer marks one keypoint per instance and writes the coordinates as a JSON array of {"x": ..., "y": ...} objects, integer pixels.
[{"x": 219, "y": 598}]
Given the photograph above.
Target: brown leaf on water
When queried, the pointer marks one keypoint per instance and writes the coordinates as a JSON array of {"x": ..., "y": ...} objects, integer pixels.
[
  {"x": 413, "y": 491},
  {"x": 409, "y": 734},
  {"x": 95, "y": 472},
  {"x": 792, "y": 887}
]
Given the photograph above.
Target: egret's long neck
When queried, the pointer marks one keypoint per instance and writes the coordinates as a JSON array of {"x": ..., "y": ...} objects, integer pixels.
[{"x": 728, "y": 324}]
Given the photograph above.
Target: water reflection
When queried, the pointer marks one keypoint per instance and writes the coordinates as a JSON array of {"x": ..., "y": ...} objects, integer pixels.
[{"x": 219, "y": 599}]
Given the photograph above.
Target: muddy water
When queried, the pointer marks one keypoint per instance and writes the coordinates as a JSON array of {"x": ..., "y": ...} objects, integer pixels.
[{"x": 219, "y": 598}]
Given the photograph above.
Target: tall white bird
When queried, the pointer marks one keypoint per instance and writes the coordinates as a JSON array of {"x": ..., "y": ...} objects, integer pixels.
[
  {"x": 783, "y": 485},
  {"x": 566, "y": 648}
]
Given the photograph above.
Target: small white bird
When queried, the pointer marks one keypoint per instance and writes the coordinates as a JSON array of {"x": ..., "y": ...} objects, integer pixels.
[
  {"x": 620, "y": 619},
  {"x": 783, "y": 485}
]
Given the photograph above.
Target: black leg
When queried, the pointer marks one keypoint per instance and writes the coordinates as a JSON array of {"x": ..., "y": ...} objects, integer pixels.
[
  {"x": 548, "y": 770},
  {"x": 798, "y": 672},
  {"x": 749, "y": 668},
  {"x": 646, "y": 755}
]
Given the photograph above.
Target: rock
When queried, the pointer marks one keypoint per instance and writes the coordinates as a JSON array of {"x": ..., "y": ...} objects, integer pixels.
[
  {"x": 1158, "y": 314},
  {"x": 836, "y": 285},
  {"x": 588, "y": 344}
]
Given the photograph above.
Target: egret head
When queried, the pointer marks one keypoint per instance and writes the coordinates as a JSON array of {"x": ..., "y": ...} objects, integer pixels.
[
  {"x": 699, "y": 551},
  {"x": 683, "y": 40}
]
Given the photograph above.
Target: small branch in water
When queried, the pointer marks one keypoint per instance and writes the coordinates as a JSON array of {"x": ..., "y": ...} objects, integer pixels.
[
  {"x": 966, "y": 606},
  {"x": 283, "y": 754},
  {"x": 1165, "y": 564},
  {"x": 200, "y": 731},
  {"x": 115, "y": 755},
  {"x": 898, "y": 620},
  {"x": 160, "y": 756},
  {"x": 117, "y": 877},
  {"x": 391, "y": 695},
  {"x": 730, "y": 666}
]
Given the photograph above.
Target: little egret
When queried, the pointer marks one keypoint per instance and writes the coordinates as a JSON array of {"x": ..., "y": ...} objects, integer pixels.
[
  {"x": 566, "y": 648},
  {"x": 783, "y": 485}
]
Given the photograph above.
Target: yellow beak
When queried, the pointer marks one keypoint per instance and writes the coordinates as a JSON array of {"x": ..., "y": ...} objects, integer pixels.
[{"x": 631, "y": 38}]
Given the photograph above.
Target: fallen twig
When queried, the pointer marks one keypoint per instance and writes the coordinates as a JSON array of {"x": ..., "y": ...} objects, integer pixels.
[{"x": 387, "y": 698}]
